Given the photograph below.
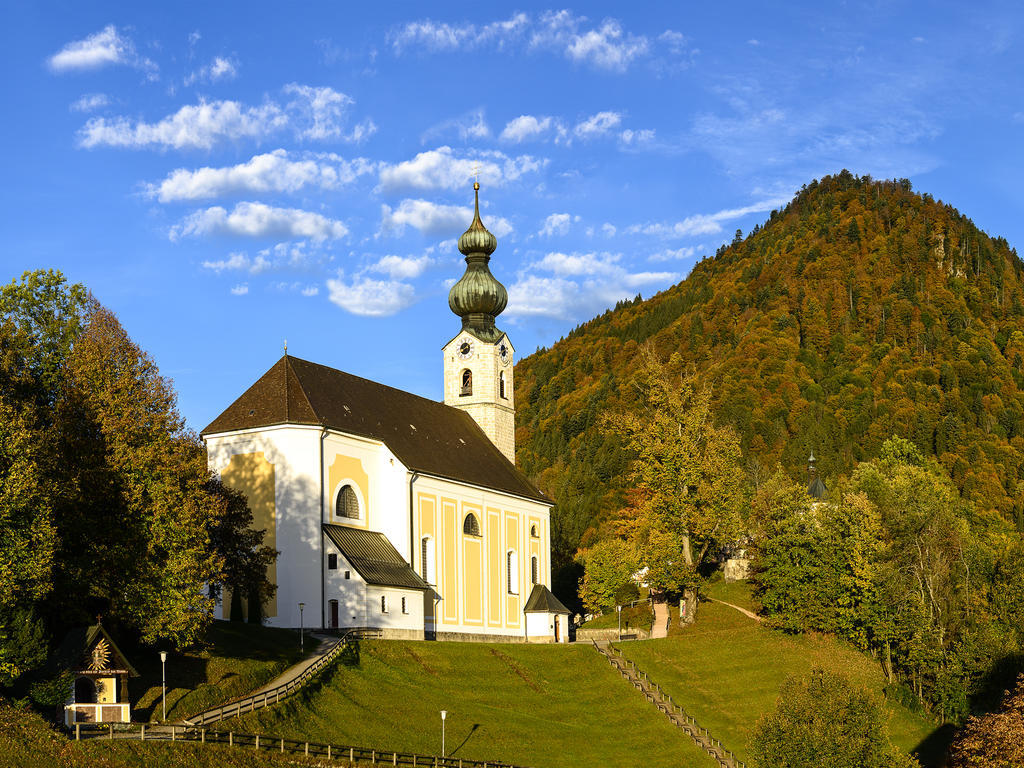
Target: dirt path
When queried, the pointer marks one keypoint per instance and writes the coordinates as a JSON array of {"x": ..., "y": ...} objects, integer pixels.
[
  {"x": 744, "y": 611},
  {"x": 661, "y": 618}
]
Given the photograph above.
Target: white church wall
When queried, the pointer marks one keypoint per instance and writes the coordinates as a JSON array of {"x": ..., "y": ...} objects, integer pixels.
[
  {"x": 403, "y": 616},
  {"x": 350, "y": 592}
]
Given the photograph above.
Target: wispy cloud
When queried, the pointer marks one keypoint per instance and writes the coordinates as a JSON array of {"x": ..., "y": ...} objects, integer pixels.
[
  {"x": 704, "y": 223},
  {"x": 321, "y": 114},
  {"x": 401, "y": 267},
  {"x": 370, "y": 298},
  {"x": 90, "y": 102},
  {"x": 441, "y": 168},
  {"x": 271, "y": 172},
  {"x": 471, "y": 125},
  {"x": 600, "y": 124},
  {"x": 556, "y": 224},
  {"x": 260, "y": 220},
  {"x": 106, "y": 47},
  {"x": 221, "y": 68},
  {"x": 238, "y": 262}
]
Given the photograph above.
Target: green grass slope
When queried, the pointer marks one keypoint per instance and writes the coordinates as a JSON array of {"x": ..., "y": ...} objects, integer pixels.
[
  {"x": 236, "y": 660},
  {"x": 726, "y": 671},
  {"x": 528, "y": 705}
]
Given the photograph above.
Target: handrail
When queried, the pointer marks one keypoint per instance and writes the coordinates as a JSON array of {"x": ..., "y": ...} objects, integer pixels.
[
  {"x": 270, "y": 696},
  {"x": 278, "y": 744},
  {"x": 654, "y": 693}
]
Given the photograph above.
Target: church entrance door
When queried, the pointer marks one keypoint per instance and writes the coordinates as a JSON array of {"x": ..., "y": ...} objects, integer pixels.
[{"x": 334, "y": 614}]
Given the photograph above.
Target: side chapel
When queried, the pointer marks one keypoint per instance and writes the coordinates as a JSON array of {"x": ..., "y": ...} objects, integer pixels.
[{"x": 390, "y": 510}]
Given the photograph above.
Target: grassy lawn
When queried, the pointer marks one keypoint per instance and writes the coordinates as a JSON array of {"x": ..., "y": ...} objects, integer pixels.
[
  {"x": 238, "y": 659},
  {"x": 727, "y": 669},
  {"x": 736, "y": 592},
  {"x": 529, "y": 705}
]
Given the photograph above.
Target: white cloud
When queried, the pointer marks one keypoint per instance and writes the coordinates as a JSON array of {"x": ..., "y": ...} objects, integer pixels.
[
  {"x": 270, "y": 172},
  {"x": 322, "y": 112},
  {"x": 370, "y": 298},
  {"x": 471, "y": 125},
  {"x": 435, "y": 219},
  {"x": 260, "y": 220},
  {"x": 556, "y": 224},
  {"x": 198, "y": 126},
  {"x": 310, "y": 290},
  {"x": 108, "y": 46},
  {"x": 607, "y": 47},
  {"x": 608, "y": 229},
  {"x": 218, "y": 69},
  {"x": 90, "y": 102},
  {"x": 441, "y": 169},
  {"x": 239, "y": 262},
  {"x": 705, "y": 223},
  {"x": 579, "y": 285},
  {"x": 637, "y": 138},
  {"x": 313, "y": 113},
  {"x": 241, "y": 289},
  {"x": 401, "y": 268},
  {"x": 526, "y": 127},
  {"x": 674, "y": 254},
  {"x": 439, "y": 36},
  {"x": 597, "y": 125}
]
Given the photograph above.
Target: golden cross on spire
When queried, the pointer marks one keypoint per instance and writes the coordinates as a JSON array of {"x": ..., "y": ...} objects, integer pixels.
[{"x": 476, "y": 176}]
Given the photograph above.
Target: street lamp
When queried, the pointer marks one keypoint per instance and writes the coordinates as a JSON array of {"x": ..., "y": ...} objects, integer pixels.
[
  {"x": 444, "y": 714},
  {"x": 302, "y": 640},
  {"x": 163, "y": 683},
  {"x": 619, "y": 609}
]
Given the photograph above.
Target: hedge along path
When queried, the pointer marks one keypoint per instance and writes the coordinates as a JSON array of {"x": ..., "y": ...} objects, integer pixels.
[{"x": 664, "y": 703}]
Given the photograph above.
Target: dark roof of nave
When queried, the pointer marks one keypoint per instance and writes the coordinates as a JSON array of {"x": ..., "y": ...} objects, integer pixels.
[
  {"x": 374, "y": 557},
  {"x": 427, "y": 436}
]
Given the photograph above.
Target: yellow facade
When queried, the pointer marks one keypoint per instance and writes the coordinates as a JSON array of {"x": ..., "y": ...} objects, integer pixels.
[
  {"x": 253, "y": 475},
  {"x": 345, "y": 469}
]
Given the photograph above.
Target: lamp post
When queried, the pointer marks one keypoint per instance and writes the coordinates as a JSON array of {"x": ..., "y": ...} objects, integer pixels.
[
  {"x": 444, "y": 714},
  {"x": 302, "y": 639},
  {"x": 618, "y": 608},
  {"x": 163, "y": 683}
]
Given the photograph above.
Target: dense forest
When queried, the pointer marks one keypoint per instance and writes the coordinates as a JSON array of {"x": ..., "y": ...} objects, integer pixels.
[{"x": 860, "y": 311}]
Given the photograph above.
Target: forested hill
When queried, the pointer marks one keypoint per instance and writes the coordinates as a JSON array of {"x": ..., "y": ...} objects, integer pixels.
[{"x": 862, "y": 310}]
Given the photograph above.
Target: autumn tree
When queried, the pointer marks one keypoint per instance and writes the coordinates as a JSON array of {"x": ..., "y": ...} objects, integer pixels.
[
  {"x": 687, "y": 476},
  {"x": 994, "y": 740},
  {"x": 609, "y": 567}
]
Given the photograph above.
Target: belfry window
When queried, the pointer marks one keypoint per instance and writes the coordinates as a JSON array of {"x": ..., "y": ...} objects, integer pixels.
[
  {"x": 467, "y": 382},
  {"x": 471, "y": 526},
  {"x": 501, "y": 385},
  {"x": 347, "y": 504}
]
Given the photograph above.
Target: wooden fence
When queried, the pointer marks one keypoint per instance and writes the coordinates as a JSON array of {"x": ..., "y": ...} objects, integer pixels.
[
  {"x": 255, "y": 741},
  {"x": 665, "y": 704},
  {"x": 283, "y": 691}
]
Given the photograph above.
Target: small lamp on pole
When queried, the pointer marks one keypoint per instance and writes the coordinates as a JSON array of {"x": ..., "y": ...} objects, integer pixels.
[
  {"x": 444, "y": 714},
  {"x": 302, "y": 639},
  {"x": 163, "y": 683},
  {"x": 618, "y": 608}
]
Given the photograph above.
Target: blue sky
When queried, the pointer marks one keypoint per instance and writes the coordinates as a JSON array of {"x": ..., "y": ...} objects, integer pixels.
[{"x": 226, "y": 176}]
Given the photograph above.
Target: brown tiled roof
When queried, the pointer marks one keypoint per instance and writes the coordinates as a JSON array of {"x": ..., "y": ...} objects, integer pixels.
[
  {"x": 374, "y": 557},
  {"x": 426, "y": 436}
]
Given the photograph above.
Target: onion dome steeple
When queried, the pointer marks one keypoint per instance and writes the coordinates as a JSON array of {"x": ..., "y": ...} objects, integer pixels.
[{"x": 478, "y": 297}]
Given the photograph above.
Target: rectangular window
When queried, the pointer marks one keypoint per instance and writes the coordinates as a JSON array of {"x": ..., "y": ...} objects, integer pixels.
[
  {"x": 348, "y": 574},
  {"x": 332, "y": 562},
  {"x": 405, "y": 608},
  {"x": 383, "y": 603}
]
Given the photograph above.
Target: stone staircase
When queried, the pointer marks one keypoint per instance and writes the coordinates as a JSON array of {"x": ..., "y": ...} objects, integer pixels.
[
  {"x": 661, "y": 615},
  {"x": 664, "y": 703}
]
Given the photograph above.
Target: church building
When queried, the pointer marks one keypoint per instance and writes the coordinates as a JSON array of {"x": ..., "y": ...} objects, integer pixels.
[{"x": 390, "y": 510}]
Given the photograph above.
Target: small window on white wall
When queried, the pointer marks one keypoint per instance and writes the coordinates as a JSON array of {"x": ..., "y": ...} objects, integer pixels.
[
  {"x": 512, "y": 569},
  {"x": 405, "y": 608},
  {"x": 383, "y": 603},
  {"x": 533, "y": 570},
  {"x": 427, "y": 560}
]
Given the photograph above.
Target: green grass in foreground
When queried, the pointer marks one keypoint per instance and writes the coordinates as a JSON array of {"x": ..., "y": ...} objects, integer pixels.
[
  {"x": 726, "y": 670},
  {"x": 735, "y": 592},
  {"x": 239, "y": 658},
  {"x": 524, "y": 704}
]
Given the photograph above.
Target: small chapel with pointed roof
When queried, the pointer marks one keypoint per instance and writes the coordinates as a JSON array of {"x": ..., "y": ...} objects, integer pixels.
[{"x": 390, "y": 510}]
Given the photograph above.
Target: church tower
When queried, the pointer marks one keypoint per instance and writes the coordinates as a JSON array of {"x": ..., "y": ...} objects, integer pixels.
[{"x": 478, "y": 361}]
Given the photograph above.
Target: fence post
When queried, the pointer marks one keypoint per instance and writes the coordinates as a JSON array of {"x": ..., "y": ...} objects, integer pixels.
[
  {"x": 282, "y": 745},
  {"x": 202, "y": 735},
  {"x": 172, "y": 733},
  {"x": 231, "y": 738},
  {"x": 142, "y": 733},
  {"x": 373, "y": 756},
  {"x": 257, "y": 742},
  {"x": 78, "y": 731},
  {"x": 307, "y": 748},
  {"x": 394, "y": 759},
  {"x": 328, "y": 751},
  {"x": 111, "y": 731}
]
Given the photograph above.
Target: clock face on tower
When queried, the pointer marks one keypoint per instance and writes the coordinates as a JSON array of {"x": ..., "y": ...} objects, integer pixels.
[
  {"x": 504, "y": 353},
  {"x": 466, "y": 350}
]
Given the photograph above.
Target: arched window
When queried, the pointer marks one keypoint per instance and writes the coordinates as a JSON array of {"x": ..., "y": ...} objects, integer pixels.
[
  {"x": 533, "y": 532},
  {"x": 501, "y": 384},
  {"x": 471, "y": 526},
  {"x": 533, "y": 570},
  {"x": 347, "y": 504},
  {"x": 510, "y": 569},
  {"x": 467, "y": 382},
  {"x": 427, "y": 560}
]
